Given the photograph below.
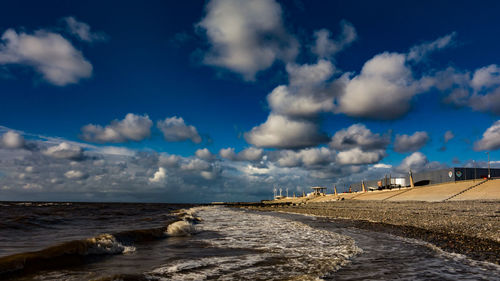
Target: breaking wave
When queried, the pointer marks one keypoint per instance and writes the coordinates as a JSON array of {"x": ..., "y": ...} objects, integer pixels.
[
  {"x": 263, "y": 247},
  {"x": 77, "y": 251}
]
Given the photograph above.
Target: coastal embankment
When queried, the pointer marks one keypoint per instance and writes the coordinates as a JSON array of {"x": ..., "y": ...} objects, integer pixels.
[{"x": 469, "y": 227}]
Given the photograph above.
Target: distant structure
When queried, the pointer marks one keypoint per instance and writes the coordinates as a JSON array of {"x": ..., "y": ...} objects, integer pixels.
[
  {"x": 429, "y": 177},
  {"x": 318, "y": 191},
  {"x": 280, "y": 196}
]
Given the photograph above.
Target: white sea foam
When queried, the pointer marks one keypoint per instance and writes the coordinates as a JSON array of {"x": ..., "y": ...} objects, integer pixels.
[
  {"x": 479, "y": 265},
  {"x": 274, "y": 248},
  {"x": 181, "y": 228},
  {"x": 106, "y": 244}
]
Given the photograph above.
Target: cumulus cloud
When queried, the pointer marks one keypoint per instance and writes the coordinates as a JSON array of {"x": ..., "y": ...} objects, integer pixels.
[
  {"x": 282, "y": 132},
  {"x": 195, "y": 164},
  {"x": 204, "y": 154},
  {"x": 490, "y": 139},
  {"x": 309, "y": 74},
  {"x": 74, "y": 174},
  {"x": 324, "y": 47},
  {"x": 159, "y": 176},
  {"x": 356, "y": 156},
  {"x": 82, "y": 30},
  {"x": 12, "y": 139},
  {"x": 305, "y": 157},
  {"x": 247, "y": 154},
  {"x": 415, "y": 162},
  {"x": 485, "y": 77},
  {"x": 174, "y": 129},
  {"x": 307, "y": 93},
  {"x": 251, "y": 154},
  {"x": 358, "y": 135},
  {"x": 65, "y": 150},
  {"x": 382, "y": 90},
  {"x": 169, "y": 160},
  {"x": 208, "y": 175},
  {"x": 132, "y": 128},
  {"x": 228, "y": 153},
  {"x": 47, "y": 53},
  {"x": 418, "y": 162},
  {"x": 407, "y": 143},
  {"x": 114, "y": 150},
  {"x": 479, "y": 90},
  {"x": 387, "y": 83},
  {"x": 246, "y": 36}
]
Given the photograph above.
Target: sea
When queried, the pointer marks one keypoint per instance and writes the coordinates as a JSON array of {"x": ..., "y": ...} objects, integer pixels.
[{"x": 118, "y": 241}]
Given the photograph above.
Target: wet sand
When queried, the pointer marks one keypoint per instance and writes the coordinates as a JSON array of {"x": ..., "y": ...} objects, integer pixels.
[{"x": 471, "y": 228}]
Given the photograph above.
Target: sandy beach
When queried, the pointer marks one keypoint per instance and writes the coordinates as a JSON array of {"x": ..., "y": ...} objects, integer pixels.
[{"x": 466, "y": 227}]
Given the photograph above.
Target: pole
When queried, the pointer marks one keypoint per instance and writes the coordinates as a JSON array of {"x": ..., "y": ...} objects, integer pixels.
[
  {"x": 489, "y": 173},
  {"x": 475, "y": 173}
]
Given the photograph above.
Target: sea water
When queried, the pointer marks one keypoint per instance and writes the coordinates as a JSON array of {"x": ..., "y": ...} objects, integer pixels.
[{"x": 148, "y": 242}]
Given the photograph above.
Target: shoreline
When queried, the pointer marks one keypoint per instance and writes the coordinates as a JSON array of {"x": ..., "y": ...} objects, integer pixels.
[{"x": 471, "y": 228}]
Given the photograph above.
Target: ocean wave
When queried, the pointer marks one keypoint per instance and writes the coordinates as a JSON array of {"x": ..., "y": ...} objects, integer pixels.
[
  {"x": 265, "y": 247},
  {"x": 67, "y": 253},
  {"x": 181, "y": 228},
  {"x": 76, "y": 251}
]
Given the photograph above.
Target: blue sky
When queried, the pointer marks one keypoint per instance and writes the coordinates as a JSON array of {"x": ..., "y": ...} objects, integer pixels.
[{"x": 223, "y": 100}]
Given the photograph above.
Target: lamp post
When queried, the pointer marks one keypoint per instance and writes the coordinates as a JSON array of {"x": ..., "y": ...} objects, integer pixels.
[
  {"x": 475, "y": 174},
  {"x": 489, "y": 172}
]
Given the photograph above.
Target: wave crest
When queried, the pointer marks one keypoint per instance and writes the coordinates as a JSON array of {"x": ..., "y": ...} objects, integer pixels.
[{"x": 181, "y": 228}]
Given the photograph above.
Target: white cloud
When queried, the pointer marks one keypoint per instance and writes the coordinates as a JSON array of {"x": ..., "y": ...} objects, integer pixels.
[
  {"x": 247, "y": 154},
  {"x": 114, "y": 150},
  {"x": 307, "y": 93},
  {"x": 281, "y": 132},
  {"x": 48, "y": 53},
  {"x": 208, "y": 175},
  {"x": 407, "y": 143},
  {"x": 251, "y": 154},
  {"x": 419, "y": 52},
  {"x": 132, "y": 127},
  {"x": 195, "y": 164},
  {"x": 204, "y": 154},
  {"x": 356, "y": 156},
  {"x": 246, "y": 36},
  {"x": 65, "y": 150},
  {"x": 415, "y": 162},
  {"x": 174, "y": 129},
  {"x": 324, "y": 47},
  {"x": 12, "y": 139},
  {"x": 159, "y": 176},
  {"x": 309, "y": 74},
  {"x": 283, "y": 101},
  {"x": 490, "y": 139},
  {"x": 169, "y": 160},
  {"x": 486, "y": 77},
  {"x": 479, "y": 91},
  {"x": 305, "y": 157},
  {"x": 357, "y": 135},
  {"x": 386, "y": 84},
  {"x": 382, "y": 90},
  {"x": 82, "y": 30},
  {"x": 74, "y": 174},
  {"x": 227, "y": 153},
  {"x": 382, "y": 166}
]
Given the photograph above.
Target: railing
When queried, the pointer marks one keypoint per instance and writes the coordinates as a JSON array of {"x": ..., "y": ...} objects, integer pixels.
[{"x": 465, "y": 190}]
